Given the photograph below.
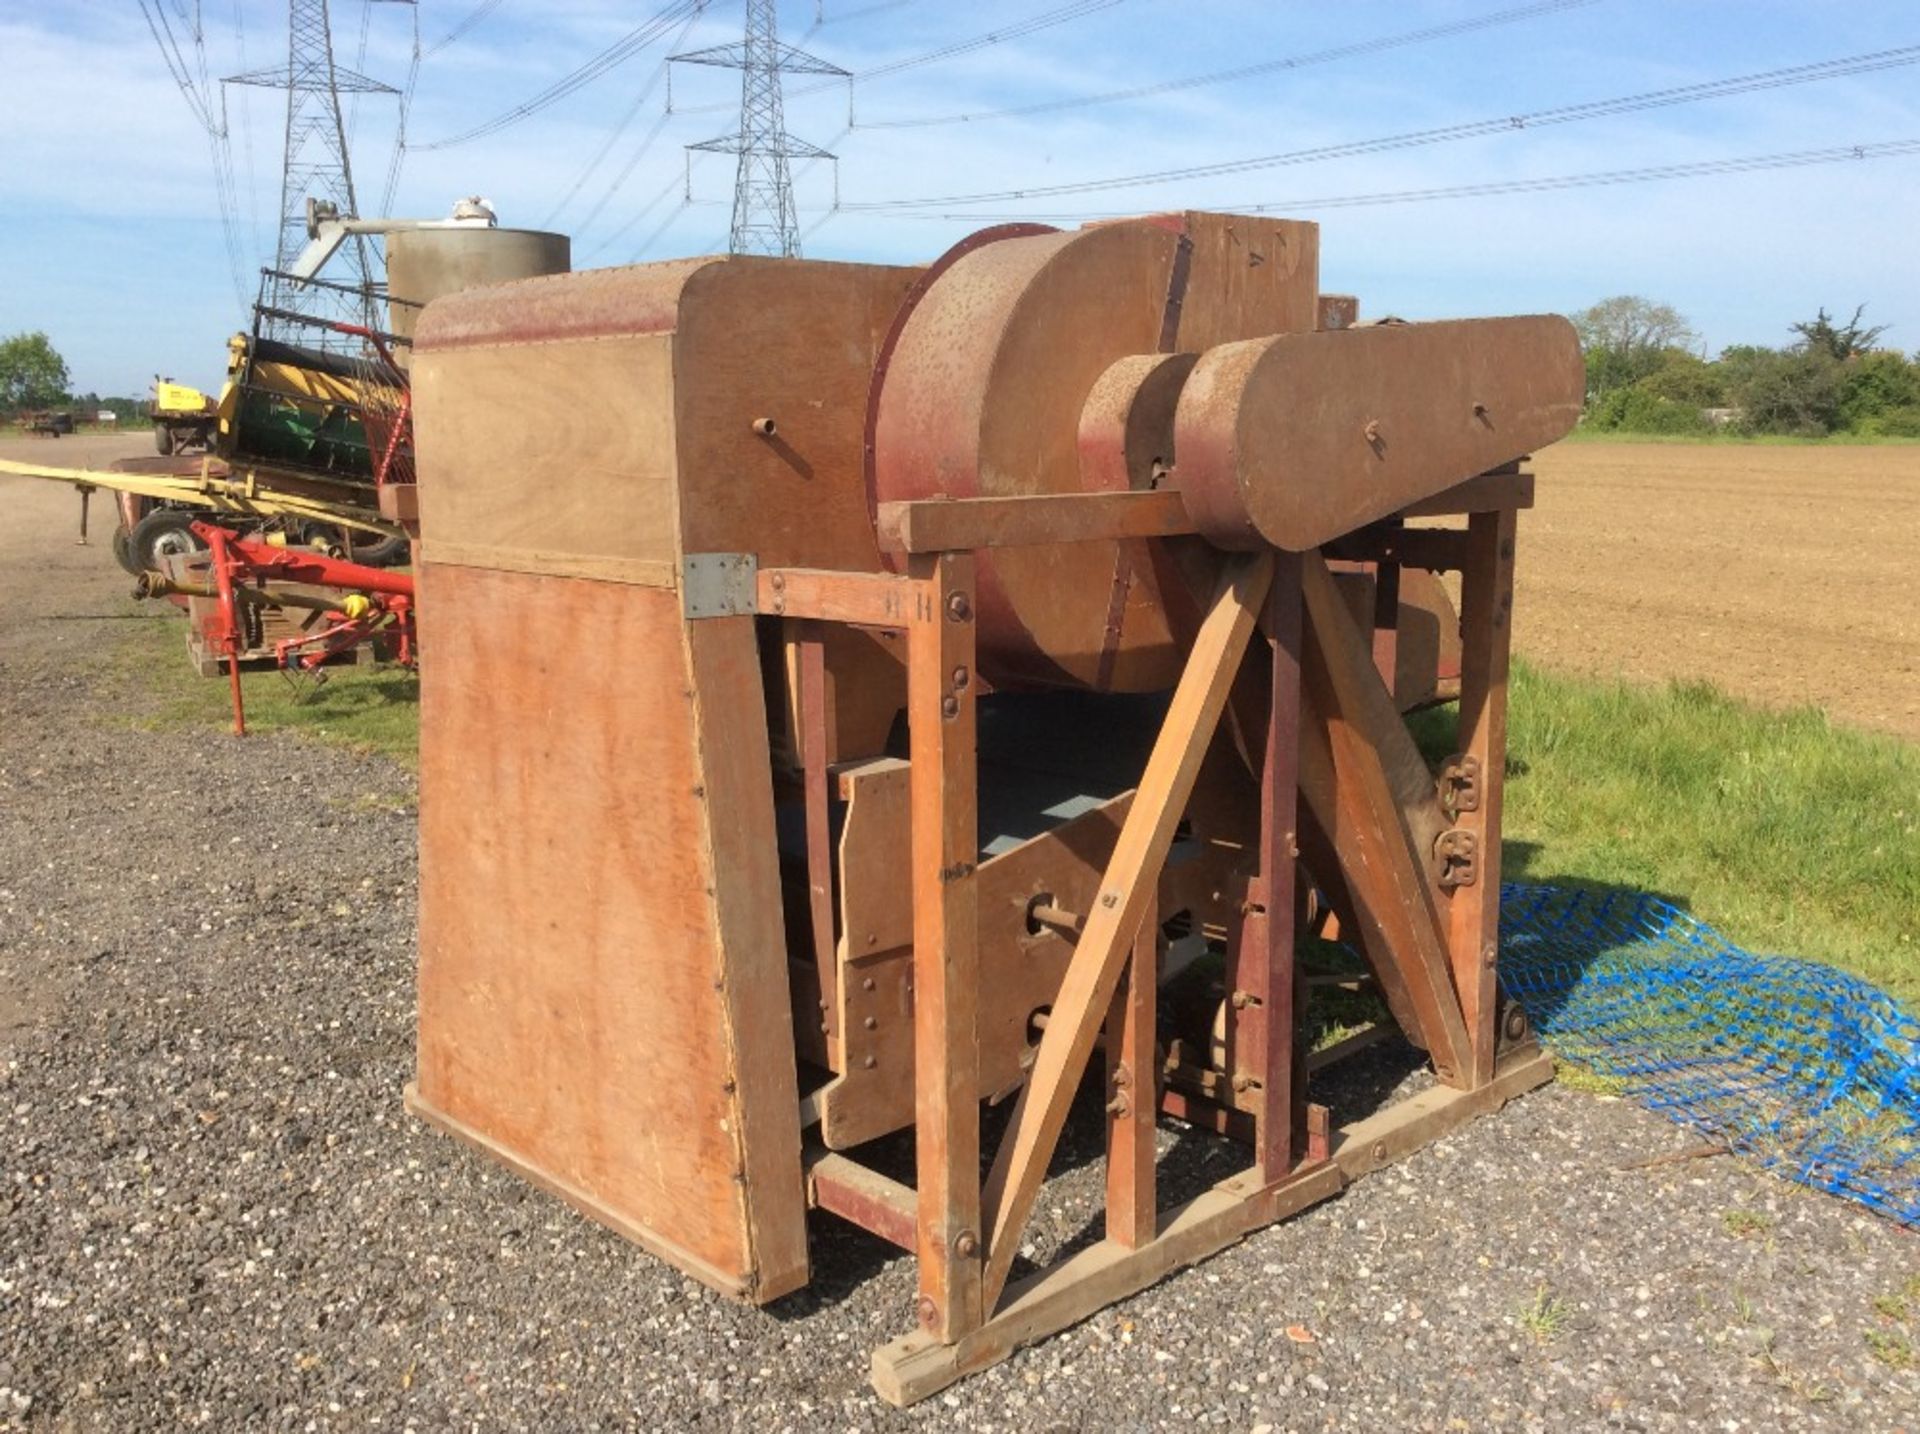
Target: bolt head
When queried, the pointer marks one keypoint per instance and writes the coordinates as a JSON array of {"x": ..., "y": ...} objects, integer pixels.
[
  {"x": 958, "y": 608},
  {"x": 967, "y": 1245},
  {"x": 926, "y": 1310}
]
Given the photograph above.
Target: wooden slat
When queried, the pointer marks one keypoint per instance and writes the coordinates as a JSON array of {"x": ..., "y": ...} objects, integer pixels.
[
  {"x": 1132, "y": 1203},
  {"x": 808, "y": 669},
  {"x": 864, "y": 1197},
  {"x": 1130, "y": 879},
  {"x": 1386, "y": 618},
  {"x": 1437, "y": 550},
  {"x": 1379, "y": 826},
  {"x": 1363, "y": 702},
  {"x": 1483, "y": 494},
  {"x": 962, "y": 524},
  {"x": 742, "y": 883},
  {"x": 944, "y": 854},
  {"x": 1486, "y": 629},
  {"x": 868, "y": 599}
]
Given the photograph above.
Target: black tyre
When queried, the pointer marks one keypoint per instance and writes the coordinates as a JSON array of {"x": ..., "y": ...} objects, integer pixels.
[
  {"x": 163, "y": 438},
  {"x": 375, "y": 550},
  {"x": 123, "y": 550},
  {"x": 160, "y": 534}
]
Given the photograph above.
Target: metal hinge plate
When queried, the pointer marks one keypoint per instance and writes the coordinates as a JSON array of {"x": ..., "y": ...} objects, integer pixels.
[
  {"x": 717, "y": 584},
  {"x": 1458, "y": 852},
  {"x": 1459, "y": 784}
]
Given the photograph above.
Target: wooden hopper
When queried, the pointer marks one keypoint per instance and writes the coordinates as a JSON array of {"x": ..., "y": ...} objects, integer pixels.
[{"x": 843, "y": 681}]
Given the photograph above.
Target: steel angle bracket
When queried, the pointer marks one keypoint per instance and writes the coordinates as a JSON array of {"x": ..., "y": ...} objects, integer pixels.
[{"x": 717, "y": 584}]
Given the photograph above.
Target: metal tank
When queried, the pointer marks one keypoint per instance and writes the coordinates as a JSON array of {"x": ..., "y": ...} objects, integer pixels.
[{"x": 425, "y": 263}]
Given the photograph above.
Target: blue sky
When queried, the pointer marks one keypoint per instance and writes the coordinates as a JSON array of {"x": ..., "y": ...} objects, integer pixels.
[{"x": 111, "y": 242}]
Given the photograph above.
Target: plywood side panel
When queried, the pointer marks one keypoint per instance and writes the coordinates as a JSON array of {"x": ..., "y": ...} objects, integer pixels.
[
  {"x": 572, "y": 1011},
  {"x": 550, "y": 456},
  {"x": 763, "y": 338}
]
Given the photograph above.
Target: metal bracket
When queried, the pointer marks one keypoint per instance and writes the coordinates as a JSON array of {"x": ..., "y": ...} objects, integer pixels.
[
  {"x": 1459, "y": 784},
  {"x": 717, "y": 584},
  {"x": 1458, "y": 852}
]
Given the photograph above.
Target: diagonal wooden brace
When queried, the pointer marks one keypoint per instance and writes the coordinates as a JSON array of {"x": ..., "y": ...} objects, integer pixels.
[
  {"x": 1370, "y": 792},
  {"x": 1127, "y": 887}
]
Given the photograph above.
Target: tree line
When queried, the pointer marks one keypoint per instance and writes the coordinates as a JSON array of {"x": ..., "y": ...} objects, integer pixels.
[
  {"x": 1645, "y": 375},
  {"x": 33, "y": 377}
]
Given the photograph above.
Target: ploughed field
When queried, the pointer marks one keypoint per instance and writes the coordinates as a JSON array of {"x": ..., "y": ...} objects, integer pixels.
[{"x": 1784, "y": 574}]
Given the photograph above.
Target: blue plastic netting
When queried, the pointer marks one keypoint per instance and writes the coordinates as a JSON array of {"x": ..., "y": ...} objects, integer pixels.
[{"x": 1811, "y": 1071}]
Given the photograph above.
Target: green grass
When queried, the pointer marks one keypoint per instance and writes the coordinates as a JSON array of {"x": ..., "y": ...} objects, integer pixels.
[
  {"x": 1786, "y": 832},
  {"x": 1584, "y": 434},
  {"x": 373, "y": 709}
]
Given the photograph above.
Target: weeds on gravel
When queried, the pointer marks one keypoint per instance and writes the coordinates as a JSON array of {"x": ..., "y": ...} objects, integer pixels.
[
  {"x": 1787, "y": 833},
  {"x": 1546, "y": 1317},
  {"x": 1741, "y": 1223},
  {"x": 1890, "y": 1349}
]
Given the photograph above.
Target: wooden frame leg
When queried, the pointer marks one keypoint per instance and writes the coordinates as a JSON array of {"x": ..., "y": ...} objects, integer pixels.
[
  {"x": 945, "y": 841},
  {"x": 1473, "y": 934},
  {"x": 1267, "y": 979},
  {"x": 808, "y": 669},
  {"x": 1132, "y": 1106}
]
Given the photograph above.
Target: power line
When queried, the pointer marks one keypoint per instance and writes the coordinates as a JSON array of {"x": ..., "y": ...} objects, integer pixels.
[
  {"x": 197, "y": 89},
  {"x": 473, "y": 17},
  {"x": 1564, "y": 114},
  {"x": 390, "y": 191},
  {"x": 1047, "y": 19},
  {"x": 1792, "y": 159},
  {"x": 822, "y": 19},
  {"x": 626, "y": 173},
  {"x": 634, "y": 219},
  {"x": 660, "y": 72},
  {"x": 1244, "y": 72},
  {"x": 665, "y": 224},
  {"x": 623, "y": 49}
]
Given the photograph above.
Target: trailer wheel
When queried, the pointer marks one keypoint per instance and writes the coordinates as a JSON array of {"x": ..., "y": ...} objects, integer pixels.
[
  {"x": 163, "y": 438},
  {"x": 159, "y": 535},
  {"x": 123, "y": 550},
  {"x": 377, "y": 550}
]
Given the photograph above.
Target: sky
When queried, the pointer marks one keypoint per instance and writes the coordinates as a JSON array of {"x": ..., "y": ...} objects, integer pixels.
[{"x": 111, "y": 239}]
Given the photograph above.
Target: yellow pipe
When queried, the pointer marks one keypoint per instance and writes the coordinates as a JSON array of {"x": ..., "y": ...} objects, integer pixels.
[{"x": 228, "y": 496}]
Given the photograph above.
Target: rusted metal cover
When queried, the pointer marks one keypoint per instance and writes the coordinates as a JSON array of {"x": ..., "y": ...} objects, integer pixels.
[
  {"x": 1003, "y": 381},
  {"x": 1297, "y": 439}
]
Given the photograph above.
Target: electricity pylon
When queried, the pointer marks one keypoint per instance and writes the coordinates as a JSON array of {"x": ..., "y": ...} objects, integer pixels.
[
  {"x": 763, "y": 213},
  {"x": 316, "y": 166}
]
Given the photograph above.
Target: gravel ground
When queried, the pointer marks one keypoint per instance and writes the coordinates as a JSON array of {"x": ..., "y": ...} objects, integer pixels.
[{"x": 214, "y": 1211}]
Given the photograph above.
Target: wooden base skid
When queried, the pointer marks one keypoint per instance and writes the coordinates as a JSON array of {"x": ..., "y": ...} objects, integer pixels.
[{"x": 917, "y": 1365}]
